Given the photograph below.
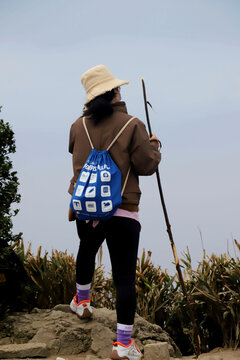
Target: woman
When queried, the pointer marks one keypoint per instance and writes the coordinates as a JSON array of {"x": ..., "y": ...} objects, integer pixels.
[{"x": 105, "y": 114}]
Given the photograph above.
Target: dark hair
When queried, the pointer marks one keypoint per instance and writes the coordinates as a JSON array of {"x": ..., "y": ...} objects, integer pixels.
[{"x": 100, "y": 107}]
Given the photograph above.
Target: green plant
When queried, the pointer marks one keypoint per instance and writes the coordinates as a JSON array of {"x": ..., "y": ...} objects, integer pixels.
[
  {"x": 153, "y": 287},
  {"x": 12, "y": 274},
  {"x": 8, "y": 187},
  {"x": 51, "y": 280}
]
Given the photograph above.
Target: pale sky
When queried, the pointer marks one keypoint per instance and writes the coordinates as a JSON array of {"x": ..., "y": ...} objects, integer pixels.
[{"x": 188, "y": 53}]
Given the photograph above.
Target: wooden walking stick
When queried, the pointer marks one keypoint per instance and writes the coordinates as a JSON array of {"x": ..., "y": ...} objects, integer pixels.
[{"x": 197, "y": 341}]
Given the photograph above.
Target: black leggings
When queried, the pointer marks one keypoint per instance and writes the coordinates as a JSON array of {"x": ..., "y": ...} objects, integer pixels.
[{"x": 122, "y": 237}]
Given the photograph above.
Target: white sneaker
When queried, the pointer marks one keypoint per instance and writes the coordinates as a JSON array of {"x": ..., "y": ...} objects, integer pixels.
[
  {"x": 130, "y": 352},
  {"x": 82, "y": 309}
]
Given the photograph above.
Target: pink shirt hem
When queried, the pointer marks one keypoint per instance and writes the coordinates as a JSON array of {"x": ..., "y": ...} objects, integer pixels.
[{"x": 120, "y": 212}]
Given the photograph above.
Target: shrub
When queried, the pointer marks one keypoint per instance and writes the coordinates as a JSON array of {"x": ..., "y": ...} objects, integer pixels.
[
  {"x": 12, "y": 274},
  {"x": 50, "y": 280}
]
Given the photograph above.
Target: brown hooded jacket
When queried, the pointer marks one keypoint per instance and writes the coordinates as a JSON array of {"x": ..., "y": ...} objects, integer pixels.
[{"x": 132, "y": 148}]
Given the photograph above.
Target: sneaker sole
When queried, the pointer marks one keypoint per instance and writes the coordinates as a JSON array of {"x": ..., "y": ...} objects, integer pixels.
[
  {"x": 115, "y": 356},
  {"x": 86, "y": 314}
]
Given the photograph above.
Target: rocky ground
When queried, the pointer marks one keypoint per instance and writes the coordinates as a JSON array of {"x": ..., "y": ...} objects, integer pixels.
[
  {"x": 217, "y": 354},
  {"x": 58, "y": 333}
]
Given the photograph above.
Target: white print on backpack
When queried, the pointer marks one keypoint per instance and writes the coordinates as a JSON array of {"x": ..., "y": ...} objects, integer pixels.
[
  {"x": 98, "y": 191},
  {"x": 105, "y": 176},
  {"x": 90, "y": 192},
  {"x": 105, "y": 191},
  {"x": 77, "y": 205},
  {"x": 106, "y": 205},
  {"x": 79, "y": 190},
  {"x": 91, "y": 206},
  {"x": 93, "y": 178},
  {"x": 84, "y": 176},
  {"x": 95, "y": 168}
]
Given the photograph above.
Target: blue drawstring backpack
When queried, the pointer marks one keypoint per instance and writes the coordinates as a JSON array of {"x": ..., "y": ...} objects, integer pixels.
[{"x": 97, "y": 193}]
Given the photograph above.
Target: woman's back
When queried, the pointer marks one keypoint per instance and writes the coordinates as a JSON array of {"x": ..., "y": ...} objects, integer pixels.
[{"x": 131, "y": 148}]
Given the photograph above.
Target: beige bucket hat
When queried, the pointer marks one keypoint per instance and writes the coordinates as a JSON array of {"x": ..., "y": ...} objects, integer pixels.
[{"x": 98, "y": 80}]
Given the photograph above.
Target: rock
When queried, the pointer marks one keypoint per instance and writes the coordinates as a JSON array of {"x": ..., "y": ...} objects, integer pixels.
[
  {"x": 23, "y": 351},
  {"x": 157, "y": 351},
  {"x": 36, "y": 311},
  {"x": 54, "y": 346},
  {"x": 5, "y": 341},
  {"x": 63, "y": 308},
  {"x": 44, "y": 334},
  {"x": 171, "y": 350},
  {"x": 210, "y": 357},
  {"x": 65, "y": 334},
  {"x": 147, "y": 332},
  {"x": 102, "y": 339},
  {"x": 75, "y": 341}
]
